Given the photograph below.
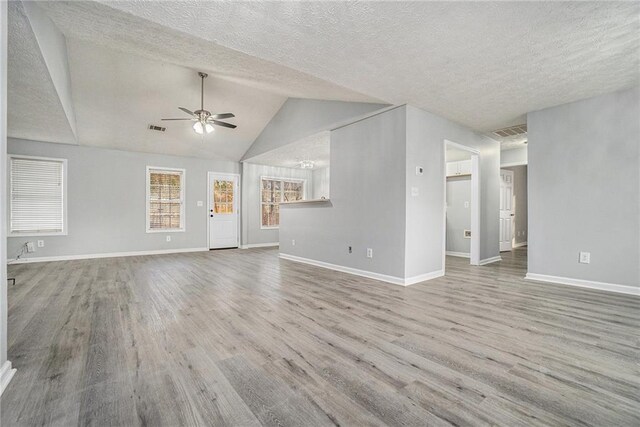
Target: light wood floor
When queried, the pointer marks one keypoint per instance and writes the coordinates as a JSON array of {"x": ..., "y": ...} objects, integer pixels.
[{"x": 240, "y": 337}]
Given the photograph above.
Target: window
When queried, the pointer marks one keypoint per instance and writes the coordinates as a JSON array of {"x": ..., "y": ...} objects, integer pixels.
[
  {"x": 223, "y": 196},
  {"x": 37, "y": 196},
  {"x": 165, "y": 199},
  {"x": 273, "y": 192}
]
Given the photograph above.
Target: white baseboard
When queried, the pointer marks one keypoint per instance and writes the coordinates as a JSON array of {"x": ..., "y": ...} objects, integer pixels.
[
  {"x": 6, "y": 373},
  {"x": 260, "y": 245},
  {"x": 519, "y": 245},
  {"x": 459, "y": 254},
  {"x": 423, "y": 277},
  {"x": 369, "y": 274},
  {"x": 104, "y": 255},
  {"x": 602, "y": 286},
  {"x": 490, "y": 260}
]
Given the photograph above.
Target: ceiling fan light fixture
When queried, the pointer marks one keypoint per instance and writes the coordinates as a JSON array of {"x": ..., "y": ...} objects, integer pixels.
[
  {"x": 197, "y": 126},
  {"x": 203, "y": 119}
]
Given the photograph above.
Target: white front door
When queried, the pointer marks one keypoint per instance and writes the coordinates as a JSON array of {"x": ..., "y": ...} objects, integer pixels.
[
  {"x": 506, "y": 209},
  {"x": 223, "y": 211}
]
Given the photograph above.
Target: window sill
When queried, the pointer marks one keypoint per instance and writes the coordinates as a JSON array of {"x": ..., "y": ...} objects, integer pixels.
[
  {"x": 262, "y": 227},
  {"x": 166, "y": 230}
]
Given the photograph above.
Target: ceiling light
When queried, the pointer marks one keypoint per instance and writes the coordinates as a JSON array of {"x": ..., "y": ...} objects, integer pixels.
[
  {"x": 208, "y": 127},
  {"x": 306, "y": 164},
  {"x": 197, "y": 126}
]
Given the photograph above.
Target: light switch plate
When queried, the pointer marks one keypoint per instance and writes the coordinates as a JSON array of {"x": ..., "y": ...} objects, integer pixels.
[
  {"x": 466, "y": 204},
  {"x": 415, "y": 191},
  {"x": 41, "y": 243},
  {"x": 199, "y": 203},
  {"x": 168, "y": 238}
]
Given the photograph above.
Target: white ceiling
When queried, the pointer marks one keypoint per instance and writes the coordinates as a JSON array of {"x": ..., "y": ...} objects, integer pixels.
[
  {"x": 314, "y": 148},
  {"x": 117, "y": 95},
  {"x": 482, "y": 64},
  {"x": 127, "y": 73}
]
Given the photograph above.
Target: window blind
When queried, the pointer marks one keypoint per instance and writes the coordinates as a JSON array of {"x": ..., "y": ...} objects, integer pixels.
[
  {"x": 37, "y": 196},
  {"x": 165, "y": 204}
]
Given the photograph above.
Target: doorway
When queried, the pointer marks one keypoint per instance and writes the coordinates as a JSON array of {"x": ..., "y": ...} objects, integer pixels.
[
  {"x": 462, "y": 202},
  {"x": 223, "y": 225},
  {"x": 506, "y": 210}
]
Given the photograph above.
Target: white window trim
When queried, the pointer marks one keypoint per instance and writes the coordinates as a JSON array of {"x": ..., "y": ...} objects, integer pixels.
[
  {"x": 275, "y": 178},
  {"x": 64, "y": 231},
  {"x": 183, "y": 203}
]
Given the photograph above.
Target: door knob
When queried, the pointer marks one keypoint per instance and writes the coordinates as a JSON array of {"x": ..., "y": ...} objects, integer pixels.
[
  {"x": 513, "y": 214},
  {"x": 211, "y": 216}
]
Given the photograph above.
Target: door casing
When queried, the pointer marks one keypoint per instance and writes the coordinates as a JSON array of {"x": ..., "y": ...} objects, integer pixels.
[{"x": 209, "y": 203}]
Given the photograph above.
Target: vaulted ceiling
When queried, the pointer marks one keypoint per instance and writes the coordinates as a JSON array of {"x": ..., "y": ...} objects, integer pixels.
[{"x": 484, "y": 65}]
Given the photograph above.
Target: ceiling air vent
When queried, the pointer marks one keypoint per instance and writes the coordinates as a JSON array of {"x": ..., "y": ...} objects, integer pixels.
[
  {"x": 158, "y": 128},
  {"x": 511, "y": 131}
]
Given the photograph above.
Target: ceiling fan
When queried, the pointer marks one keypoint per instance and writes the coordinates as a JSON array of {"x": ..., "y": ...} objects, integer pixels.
[{"x": 203, "y": 119}]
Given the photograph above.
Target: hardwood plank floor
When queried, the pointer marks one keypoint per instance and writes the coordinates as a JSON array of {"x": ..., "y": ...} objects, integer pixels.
[{"x": 240, "y": 337}]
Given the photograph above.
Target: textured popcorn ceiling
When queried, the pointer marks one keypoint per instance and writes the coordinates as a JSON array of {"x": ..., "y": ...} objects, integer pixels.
[
  {"x": 482, "y": 64},
  {"x": 314, "y": 148},
  {"x": 108, "y": 27},
  {"x": 34, "y": 109},
  {"x": 117, "y": 95}
]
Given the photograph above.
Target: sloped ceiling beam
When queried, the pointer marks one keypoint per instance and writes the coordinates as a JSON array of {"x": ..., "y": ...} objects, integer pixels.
[{"x": 53, "y": 47}]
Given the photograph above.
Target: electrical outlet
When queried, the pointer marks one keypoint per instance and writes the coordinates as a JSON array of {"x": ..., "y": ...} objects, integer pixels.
[
  {"x": 293, "y": 242},
  {"x": 467, "y": 234},
  {"x": 168, "y": 238},
  {"x": 369, "y": 253},
  {"x": 41, "y": 243},
  {"x": 350, "y": 250},
  {"x": 585, "y": 258},
  {"x": 30, "y": 247}
]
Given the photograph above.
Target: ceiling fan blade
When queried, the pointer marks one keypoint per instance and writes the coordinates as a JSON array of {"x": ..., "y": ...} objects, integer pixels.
[
  {"x": 191, "y": 113},
  {"x": 178, "y": 119},
  {"x": 223, "y": 124},
  {"x": 222, "y": 116}
]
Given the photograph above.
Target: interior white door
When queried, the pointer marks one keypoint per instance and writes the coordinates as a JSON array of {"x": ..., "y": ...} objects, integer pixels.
[
  {"x": 223, "y": 211},
  {"x": 506, "y": 209}
]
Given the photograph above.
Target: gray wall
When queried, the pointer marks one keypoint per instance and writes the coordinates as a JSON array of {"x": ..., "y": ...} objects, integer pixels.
[
  {"x": 520, "y": 202},
  {"x": 106, "y": 202},
  {"x": 367, "y": 207},
  {"x": 372, "y": 171},
  {"x": 514, "y": 156},
  {"x": 426, "y": 133},
  {"x": 252, "y": 233},
  {"x": 584, "y": 189},
  {"x": 321, "y": 183},
  {"x": 299, "y": 118},
  {"x": 458, "y": 216}
]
